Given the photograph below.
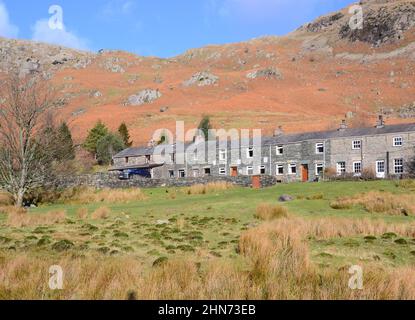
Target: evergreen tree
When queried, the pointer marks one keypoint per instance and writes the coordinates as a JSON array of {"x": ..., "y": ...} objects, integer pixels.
[
  {"x": 107, "y": 147},
  {"x": 125, "y": 135},
  {"x": 94, "y": 135},
  {"x": 66, "y": 149},
  {"x": 205, "y": 126}
]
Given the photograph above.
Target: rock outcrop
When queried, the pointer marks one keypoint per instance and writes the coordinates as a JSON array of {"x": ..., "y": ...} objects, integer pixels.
[
  {"x": 143, "y": 97},
  {"x": 201, "y": 79}
]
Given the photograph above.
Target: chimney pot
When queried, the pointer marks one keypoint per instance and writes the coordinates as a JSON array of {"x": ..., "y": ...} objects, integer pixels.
[
  {"x": 279, "y": 131},
  {"x": 343, "y": 125},
  {"x": 381, "y": 122}
]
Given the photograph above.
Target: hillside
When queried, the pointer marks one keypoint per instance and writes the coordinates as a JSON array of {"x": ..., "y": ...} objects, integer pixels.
[{"x": 307, "y": 80}]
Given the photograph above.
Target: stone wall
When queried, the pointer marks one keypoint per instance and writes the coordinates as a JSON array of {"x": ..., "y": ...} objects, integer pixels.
[{"x": 109, "y": 180}]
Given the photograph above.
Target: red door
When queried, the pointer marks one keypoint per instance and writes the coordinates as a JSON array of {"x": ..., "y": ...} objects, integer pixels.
[{"x": 305, "y": 172}]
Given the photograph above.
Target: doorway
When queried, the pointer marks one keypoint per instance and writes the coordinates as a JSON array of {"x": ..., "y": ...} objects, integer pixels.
[
  {"x": 304, "y": 172},
  {"x": 234, "y": 171}
]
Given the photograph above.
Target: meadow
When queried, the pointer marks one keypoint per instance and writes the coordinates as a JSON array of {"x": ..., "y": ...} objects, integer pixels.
[{"x": 214, "y": 242}]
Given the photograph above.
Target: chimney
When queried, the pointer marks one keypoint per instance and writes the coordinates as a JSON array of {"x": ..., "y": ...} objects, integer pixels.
[
  {"x": 380, "y": 123},
  {"x": 343, "y": 126},
  {"x": 151, "y": 144},
  {"x": 278, "y": 132}
]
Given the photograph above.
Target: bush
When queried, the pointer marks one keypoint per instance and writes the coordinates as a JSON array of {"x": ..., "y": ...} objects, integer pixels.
[
  {"x": 368, "y": 174},
  {"x": 107, "y": 147},
  {"x": 267, "y": 211}
]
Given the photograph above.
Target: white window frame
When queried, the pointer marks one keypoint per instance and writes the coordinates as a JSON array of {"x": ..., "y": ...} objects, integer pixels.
[
  {"x": 262, "y": 168},
  {"x": 248, "y": 151},
  {"x": 184, "y": 172},
  {"x": 223, "y": 155},
  {"x": 317, "y": 166},
  {"x": 279, "y": 150},
  {"x": 280, "y": 166},
  {"x": 339, "y": 168},
  {"x": 357, "y": 144},
  {"x": 222, "y": 171},
  {"x": 400, "y": 166},
  {"x": 290, "y": 169},
  {"x": 318, "y": 146},
  {"x": 359, "y": 172},
  {"x": 397, "y": 141},
  {"x": 379, "y": 164},
  {"x": 249, "y": 168}
]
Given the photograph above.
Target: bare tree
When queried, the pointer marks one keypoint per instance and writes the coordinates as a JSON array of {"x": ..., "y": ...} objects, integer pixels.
[{"x": 25, "y": 103}]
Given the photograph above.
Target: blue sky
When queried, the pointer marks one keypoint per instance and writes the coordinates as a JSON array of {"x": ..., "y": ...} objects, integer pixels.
[{"x": 157, "y": 27}]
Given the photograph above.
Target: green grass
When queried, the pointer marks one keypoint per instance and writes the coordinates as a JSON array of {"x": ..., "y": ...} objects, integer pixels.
[{"x": 207, "y": 225}]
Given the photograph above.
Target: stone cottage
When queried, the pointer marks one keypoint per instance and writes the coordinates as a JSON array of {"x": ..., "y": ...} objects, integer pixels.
[{"x": 383, "y": 150}]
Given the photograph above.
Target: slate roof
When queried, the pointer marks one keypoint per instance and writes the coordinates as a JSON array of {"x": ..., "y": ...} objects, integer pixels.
[{"x": 295, "y": 138}]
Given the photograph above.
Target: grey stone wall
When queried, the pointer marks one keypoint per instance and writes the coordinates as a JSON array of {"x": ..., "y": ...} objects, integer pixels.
[{"x": 109, "y": 180}]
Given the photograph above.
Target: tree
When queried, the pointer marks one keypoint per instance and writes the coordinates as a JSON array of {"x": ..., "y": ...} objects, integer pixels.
[
  {"x": 24, "y": 159},
  {"x": 94, "y": 135},
  {"x": 66, "y": 150},
  {"x": 205, "y": 126},
  {"x": 125, "y": 135},
  {"x": 107, "y": 147}
]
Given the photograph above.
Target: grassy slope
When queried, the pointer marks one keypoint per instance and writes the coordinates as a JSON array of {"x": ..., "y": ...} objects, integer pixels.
[{"x": 209, "y": 226}]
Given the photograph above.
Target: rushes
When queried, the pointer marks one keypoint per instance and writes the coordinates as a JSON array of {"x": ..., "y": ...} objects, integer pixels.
[
  {"x": 19, "y": 217},
  {"x": 90, "y": 195}
]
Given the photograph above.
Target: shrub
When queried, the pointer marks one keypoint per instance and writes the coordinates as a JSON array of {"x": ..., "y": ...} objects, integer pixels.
[
  {"x": 330, "y": 173},
  {"x": 368, "y": 174},
  {"x": 267, "y": 211},
  {"x": 101, "y": 213},
  {"x": 341, "y": 204},
  {"x": 318, "y": 196}
]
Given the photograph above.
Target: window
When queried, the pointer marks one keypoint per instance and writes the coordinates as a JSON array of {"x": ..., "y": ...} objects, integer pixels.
[
  {"x": 127, "y": 159},
  {"x": 319, "y": 148},
  {"x": 262, "y": 170},
  {"x": 171, "y": 173},
  {"x": 357, "y": 145},
  {"x": 250, "y": 171},
  {"x": 182, "y": 173},
  {"x": 319, "y": 169},
  {"x": 341, "y": 168},
  {"x": 250, "y": 152},
  {"x": 280, "y": 169},
  {"x": 292, "y": 169},
  {"x": 280, "y": 150},
  {"x": 398, "y": 166},
  {"x": 222, "y": 171},
  {"x": 207, "y": 171},
  {"x": 195, "y": 173},
  {"x": 397, "y": 142},
  {"x": 148, "y": 159},
  {"x": 222, "y": 155},
  {"x": 357, "y": 167}
]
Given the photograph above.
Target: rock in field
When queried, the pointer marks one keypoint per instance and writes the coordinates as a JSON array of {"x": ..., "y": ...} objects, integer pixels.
[
  {"x": 143, "y": 97},
  {"x": 201, "y": 79}
]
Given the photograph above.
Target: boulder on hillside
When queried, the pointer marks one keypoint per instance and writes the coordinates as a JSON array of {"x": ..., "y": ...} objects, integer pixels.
[
  {"x": 285, "y": 198},
  {"x": 268, "y": 73},
  {"x": 143, "y": 97},
  {"x": 201, "y": 79}
]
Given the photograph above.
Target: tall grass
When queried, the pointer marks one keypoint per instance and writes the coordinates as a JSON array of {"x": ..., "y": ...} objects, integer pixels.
[
  {"x": 18, "y": 217},
  {"x": 267, "y": 211},
  {"x": 89, "y": 195},
  {"x": 379, "y": 202},
  {"x": 208, "y": 188}
]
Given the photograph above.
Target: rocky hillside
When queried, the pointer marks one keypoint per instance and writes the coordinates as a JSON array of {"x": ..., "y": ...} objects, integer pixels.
[{"x": 307, "y": 80}]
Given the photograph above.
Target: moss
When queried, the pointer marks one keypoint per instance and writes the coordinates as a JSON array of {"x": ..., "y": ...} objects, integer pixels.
[
  {"x": 160, "y": 261},
  {"x": 401, "y": 241},
  {"x": 120, "y": 234},
  {"x": 389, "y": 235}
]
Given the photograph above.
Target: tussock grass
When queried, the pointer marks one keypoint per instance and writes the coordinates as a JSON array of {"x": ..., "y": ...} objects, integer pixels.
[
  {"x": 82, "y": 213},
  {"x": 18, "y": 217},
  {"x": 101, "y": 213},
  {"x": 266, "y": 211},
  {"x": 90, "y": 195},
  {"x": 208, "y": 188},
  {"x": 379, "y": 202},
  {"x": 406, "y": 184}
]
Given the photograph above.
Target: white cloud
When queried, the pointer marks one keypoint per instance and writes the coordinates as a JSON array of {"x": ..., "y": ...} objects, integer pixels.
[
  {"x": 42, "y": 32},
  {"x": 7, "y": 29}
]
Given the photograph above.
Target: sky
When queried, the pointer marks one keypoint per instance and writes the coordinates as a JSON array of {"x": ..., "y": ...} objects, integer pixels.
[{"x": 160, "y": 28}]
